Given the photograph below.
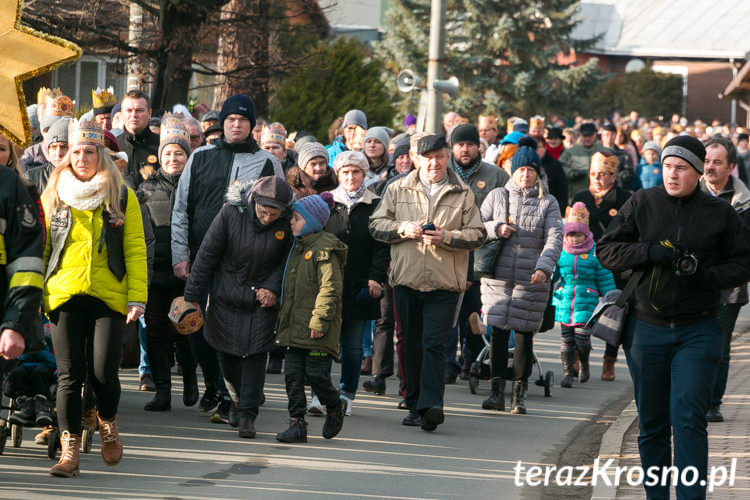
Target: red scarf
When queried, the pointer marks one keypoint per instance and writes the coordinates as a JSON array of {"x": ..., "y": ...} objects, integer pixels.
[{"x": 555, "y": 152}]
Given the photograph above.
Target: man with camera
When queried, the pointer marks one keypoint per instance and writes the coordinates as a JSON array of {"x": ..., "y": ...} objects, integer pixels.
[
  {"x": 690, "y": 246},
  {"x": 431, "y": 221},
  {"x": 721, "y": 159}
]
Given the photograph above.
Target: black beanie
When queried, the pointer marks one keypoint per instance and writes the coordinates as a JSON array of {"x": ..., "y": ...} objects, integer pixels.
[
  {"x": 464, "y": 133},
  {"x": 688, "y": 148},
  {"x": 238, "y": 104},
  {"x": 402, "y": 147}
]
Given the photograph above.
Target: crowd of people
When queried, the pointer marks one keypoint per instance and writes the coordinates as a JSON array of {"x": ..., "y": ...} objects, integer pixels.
[{"x": 384, "y": 244}]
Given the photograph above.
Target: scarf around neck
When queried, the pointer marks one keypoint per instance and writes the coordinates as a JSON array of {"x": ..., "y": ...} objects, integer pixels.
[
  {"x": 352, "y": 197},
  {"x": 82, "y": 195},
  {"x": 465, "y": 174},
  {"x": 583, "y": 247}
]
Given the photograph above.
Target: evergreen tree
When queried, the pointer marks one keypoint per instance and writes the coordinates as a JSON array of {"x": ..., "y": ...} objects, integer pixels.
[
  {"x": 339, "y": 76},
  {"x": 504, "y": 52}
]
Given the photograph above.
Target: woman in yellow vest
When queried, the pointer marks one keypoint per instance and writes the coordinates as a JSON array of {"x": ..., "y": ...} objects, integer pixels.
[{"x": 95, "y": 283}]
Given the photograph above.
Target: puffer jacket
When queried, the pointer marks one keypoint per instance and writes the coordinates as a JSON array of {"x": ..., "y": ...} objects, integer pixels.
[
  {"x": 83, "y": 266},
  {"x": 582, "y": 281},
  {"x": 303, "y": 185},
  {"x": 312, "y": 294},
  {"x": 429, "y": 267},
  {"x": 510, "y": 301},
  {"x": 238, "y": 256}
]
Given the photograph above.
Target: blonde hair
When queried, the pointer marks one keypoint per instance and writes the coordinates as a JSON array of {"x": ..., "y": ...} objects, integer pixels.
[
  {"x": 106, "y": 167},
  {"x": 14, "y": 162}
]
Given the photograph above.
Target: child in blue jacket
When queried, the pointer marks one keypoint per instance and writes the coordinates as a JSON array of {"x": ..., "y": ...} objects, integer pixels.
[
  {"x": 582, "y": 281},
  {"x": 649, "y": 169}
]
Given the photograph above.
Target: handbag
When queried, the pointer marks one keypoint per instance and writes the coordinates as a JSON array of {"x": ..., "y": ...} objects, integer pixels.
[
  {"x": 485, "y": 257},
  {"x": 608, "y": 319}
]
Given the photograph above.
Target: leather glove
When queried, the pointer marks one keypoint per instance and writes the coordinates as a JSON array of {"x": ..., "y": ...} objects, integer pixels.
[{"x": 659, "y": 254}]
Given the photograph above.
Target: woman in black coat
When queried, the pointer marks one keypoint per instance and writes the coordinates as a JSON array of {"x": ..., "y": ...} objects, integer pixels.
[
  {"x": 241, "y": 264},
  {"x": 366, "y": 262}
]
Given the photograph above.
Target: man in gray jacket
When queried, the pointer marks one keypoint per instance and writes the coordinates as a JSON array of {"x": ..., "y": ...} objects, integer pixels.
[{"x": 210, "y": 170}]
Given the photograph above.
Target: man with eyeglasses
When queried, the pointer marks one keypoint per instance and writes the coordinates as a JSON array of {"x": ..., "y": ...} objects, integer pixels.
[
  {"x": 195, "y": 131},
  {"x": 137, "y": 140}
]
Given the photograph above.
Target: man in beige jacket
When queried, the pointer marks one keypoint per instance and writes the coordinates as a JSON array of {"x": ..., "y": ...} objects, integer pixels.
[{"x": 432, "y": 222}]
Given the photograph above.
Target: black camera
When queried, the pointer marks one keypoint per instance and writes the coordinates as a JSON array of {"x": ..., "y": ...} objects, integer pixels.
[
  {"x": 685, "y": 263},
  {"x": 428, "y": 227}
]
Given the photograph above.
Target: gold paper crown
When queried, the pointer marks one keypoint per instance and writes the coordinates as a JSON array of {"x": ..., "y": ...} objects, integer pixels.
[
  {"x": 273, "y": 134},
  {"x": 173, "y": 128},
  {"x": 103, "y": 98},
  {"x": 44, "y": 94},
  {"x": 60, "y": 106},
  {"x": 487, "y": 122},
  {"x": 577, "y": 213},
  {"x": 536, "y": 122},
  {"x": 605, "y": 163},
  {"x": 85, "y": 132}
]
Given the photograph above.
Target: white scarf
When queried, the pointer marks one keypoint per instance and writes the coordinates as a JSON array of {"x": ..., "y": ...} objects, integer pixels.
[{"x": 82, "y": 195}]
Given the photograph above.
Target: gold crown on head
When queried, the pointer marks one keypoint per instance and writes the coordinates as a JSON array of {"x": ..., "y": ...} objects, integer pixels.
[
  {"x": 487, "y": 122},
  {"x": 172, "y": 127},
  {"x": 103, "y": 98},
  {"x": 604, "y": 163},
  {"x": 273, "y": 134},
  {"x": 44, "y": 94},
  {"x": 85, "y": 132},
  {"x": 60, "y": 106},
  {"x": 536, "y": 122},
  {"x": 577, "y": 213}
]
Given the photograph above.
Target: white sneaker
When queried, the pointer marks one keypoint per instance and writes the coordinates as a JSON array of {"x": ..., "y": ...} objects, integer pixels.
[
  {"x": 348, "y": 411},
  {"x": 315, "y": 408}
]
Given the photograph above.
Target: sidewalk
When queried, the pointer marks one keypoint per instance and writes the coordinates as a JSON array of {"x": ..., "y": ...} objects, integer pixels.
[{"x": 726, "y": 440}]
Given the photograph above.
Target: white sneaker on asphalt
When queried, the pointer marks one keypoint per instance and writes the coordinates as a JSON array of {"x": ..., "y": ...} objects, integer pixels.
[
  {"x": 315, "y": 408},
  {"x": 348, "y": 411}
]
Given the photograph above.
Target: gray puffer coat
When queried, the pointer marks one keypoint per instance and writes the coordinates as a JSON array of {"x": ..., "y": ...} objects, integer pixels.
[{"x": 510, "y": 301}]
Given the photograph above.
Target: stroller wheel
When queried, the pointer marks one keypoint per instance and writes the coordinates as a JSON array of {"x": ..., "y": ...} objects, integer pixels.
[
  {"x": 16, "y": 433},
  {"x": 53, "y": 444},
  {"x": 3, "y": 436},
  {"x": 473, "y": 382},
  {"x": 87, "y": 437},
  {"x": 549, "y": 379}
]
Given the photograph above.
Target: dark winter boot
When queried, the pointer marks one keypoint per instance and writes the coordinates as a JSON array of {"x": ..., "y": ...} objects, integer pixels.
[
  {"x": 567, "y": 358},
  {"x": 162, "y": 400},
  {"x": 496, "y": 401},
  {"x": 518, "y": 405},
  {"x": 25, "y": 414},
  {"x": 375, "y": 386},
  {"x": 583, "y": 357},
  {"x": 41, "y": 408},
  {"x": 296, "y": 433},
  {"x": 334, "y": 420},
  {"x": 186, "y": 359}
]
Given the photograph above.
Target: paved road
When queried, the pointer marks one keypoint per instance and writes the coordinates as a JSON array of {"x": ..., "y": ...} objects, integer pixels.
[{"x": 181, "y": 455}]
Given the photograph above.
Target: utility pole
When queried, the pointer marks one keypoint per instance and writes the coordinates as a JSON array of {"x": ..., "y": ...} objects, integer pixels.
[{"x": 434, "y": 67}]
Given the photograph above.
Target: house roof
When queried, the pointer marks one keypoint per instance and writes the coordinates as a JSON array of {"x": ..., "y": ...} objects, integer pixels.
[
  {"x": 702, "y": 29},
  {"x": 739, "y": 87}
]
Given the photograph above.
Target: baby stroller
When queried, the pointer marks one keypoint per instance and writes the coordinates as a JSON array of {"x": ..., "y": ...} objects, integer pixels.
[{"x": 480, "y": 368}]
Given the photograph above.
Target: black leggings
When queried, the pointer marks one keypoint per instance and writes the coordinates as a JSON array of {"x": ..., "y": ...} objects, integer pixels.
[
  {"x": 81, "y": 318},
  {"x": 523, "y": 354}
]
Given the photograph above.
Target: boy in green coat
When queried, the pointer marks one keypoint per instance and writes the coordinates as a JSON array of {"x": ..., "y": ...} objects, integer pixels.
[{"x": 309, "y": 321}]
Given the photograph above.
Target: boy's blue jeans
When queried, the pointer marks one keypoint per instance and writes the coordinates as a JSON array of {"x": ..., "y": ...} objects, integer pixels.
[{"x": 673, "y": 372}]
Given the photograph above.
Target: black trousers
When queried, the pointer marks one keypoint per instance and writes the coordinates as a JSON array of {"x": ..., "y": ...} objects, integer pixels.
[
  {"x": 244, "y": 377},
  {"x": 162, "y": 339},
  {"x": 29, "y": 381},
  {"x": 315, "y": 367},
  {"x": 382, "y": 337},
  {"x": 426, "y": 319},
  {"x": 73, "y": 324},
  {"x": 523, "y": 354}
]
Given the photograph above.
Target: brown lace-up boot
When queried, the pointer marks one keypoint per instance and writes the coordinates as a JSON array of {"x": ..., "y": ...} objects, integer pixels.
[
  {"x": 70, "y": 457},
  {"x": 111, "y": 445}
]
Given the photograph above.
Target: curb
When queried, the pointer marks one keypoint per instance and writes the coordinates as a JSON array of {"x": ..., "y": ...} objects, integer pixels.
[{"x": 611, "y": 447}]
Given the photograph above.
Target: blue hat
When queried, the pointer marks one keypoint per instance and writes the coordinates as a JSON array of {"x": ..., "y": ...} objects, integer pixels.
[
  {"x": 526, "y": 156},
  {"x": 511, "y": 138},
  {"x": 238, "y": 104},
  {"x": 315, "y": 210}
]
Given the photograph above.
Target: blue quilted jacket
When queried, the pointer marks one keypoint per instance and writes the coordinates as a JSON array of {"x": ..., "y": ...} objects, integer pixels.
[{"x": 582, "y": 281}]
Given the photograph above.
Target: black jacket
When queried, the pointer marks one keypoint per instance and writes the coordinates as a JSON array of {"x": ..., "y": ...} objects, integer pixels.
[
  {"x": 39, "y": 175},
  {"x": 157, "y": 194},
  {"x": 708, "y": 227},
  {"x": 557, "y": 180},
  {"x": 21, "y": 267},
  {"x": 238, "y": 256},
  {"x": 367, "y": 259},
  {"x": 142, "y": 150},
  {"x": 601, "y": 216}
]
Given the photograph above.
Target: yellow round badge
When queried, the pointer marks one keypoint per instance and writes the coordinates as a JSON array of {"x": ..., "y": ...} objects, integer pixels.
[
  {"x": 279, "y": 235},
  {"x": 308, "y": 255},
  {"x": 481, "y": 184},
  {"x": 612, "y": 212},
  {"x": 656, "y": 171},
  {"x": 584, "y": 256},
  {"x": 152, "y": 159}
]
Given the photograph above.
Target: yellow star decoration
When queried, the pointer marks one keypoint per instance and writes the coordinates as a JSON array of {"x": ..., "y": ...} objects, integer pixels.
[{"x": 24, "y": 53}]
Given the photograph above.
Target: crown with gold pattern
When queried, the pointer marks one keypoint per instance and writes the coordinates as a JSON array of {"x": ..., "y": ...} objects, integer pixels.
[
  {"x": 44, "y": 94},
  {"x": 85, "y": 132},
  {"x": 274, "y": 133},
  {"x": 604, "y": 163},
  {"x": 60, "y": 106},
  {"x": 103, "y": 100},
  {"x": 536, "y": 122},
  {"x": 487, "y": 122}
]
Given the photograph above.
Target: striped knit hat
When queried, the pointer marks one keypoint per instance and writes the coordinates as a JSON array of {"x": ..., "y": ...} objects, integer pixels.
[{"x": 315, "y": 210}]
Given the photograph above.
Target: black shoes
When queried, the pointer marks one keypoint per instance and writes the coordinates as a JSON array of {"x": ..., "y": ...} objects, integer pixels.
[
  {"x": 432, "y": 418},
  {"x": 496, "y": 401},
  {"x": 209, "y": 401},
  {"x": 413, "y": 419},
  {"x": 296, "y": 433},
  {"x": 714, "y": 415},
  {"x": 334, "y": 420},
  {"x": 41, "y": 408},
  {"x": 162, "y": 401},
  {"x": 450, "y": 378},
  {"x": 246, "y": 428},
  {"x": 221, "y": 416},
  {"x": 402, "y": 405},
  {"x": 375, "y": 386},
  {"x": 26, "y": 414},
  {"x": 190, "y": 392}
]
